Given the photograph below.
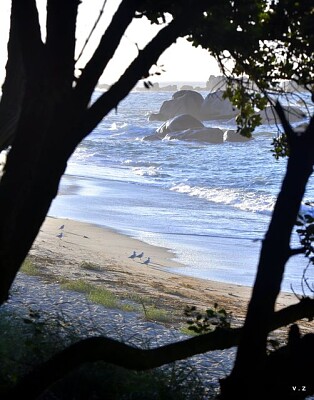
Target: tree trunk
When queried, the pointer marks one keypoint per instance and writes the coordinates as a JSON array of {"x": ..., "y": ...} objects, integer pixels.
[
  {"x": 249, "y": 369},
  {"x": 54, "y": 119},
  {"x": 12, "y": 90}
]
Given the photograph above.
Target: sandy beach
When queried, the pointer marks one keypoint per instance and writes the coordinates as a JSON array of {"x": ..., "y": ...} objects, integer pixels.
[{"x": 108, "y": 252}]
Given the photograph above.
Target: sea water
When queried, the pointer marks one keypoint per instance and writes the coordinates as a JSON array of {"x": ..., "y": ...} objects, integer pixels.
[{"x": 209, "y": 203}]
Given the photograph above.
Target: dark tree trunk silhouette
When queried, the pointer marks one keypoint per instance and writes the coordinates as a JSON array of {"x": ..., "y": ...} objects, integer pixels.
[
  {"x": 55, "y": 115},
  {"x": 13, "y": 90},
  {"x": 251, "y": 363}
]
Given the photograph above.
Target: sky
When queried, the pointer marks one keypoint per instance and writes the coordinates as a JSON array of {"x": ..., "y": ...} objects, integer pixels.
[{"x": 181, "y": 61}]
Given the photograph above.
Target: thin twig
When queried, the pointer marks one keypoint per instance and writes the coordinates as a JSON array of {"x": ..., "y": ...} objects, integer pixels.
[{"x": 92, "y": 31}]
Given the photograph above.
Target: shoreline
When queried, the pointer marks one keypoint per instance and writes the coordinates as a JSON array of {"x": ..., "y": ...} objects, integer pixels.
[{"x": 108, "y": 252}]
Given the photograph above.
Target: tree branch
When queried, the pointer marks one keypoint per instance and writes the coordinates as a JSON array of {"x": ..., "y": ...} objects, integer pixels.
[
  {"x": 137, "y": 69},
  {"x": 120, "y": 354},
  {"x": 300, "y": 250},
  {"x": 92, "y": 31},
  {"x": 108, "y": 44},
  {"x": 284, "y": 121},
  {"x": 28, "y": 27},
  {"x": 60, "y": 41}
]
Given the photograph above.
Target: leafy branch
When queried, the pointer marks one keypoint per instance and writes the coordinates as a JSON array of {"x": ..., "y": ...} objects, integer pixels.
[{"x": 208, "y": 321}]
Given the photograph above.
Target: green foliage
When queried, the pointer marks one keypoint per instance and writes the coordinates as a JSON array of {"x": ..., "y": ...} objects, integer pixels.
[
  {"x": 280, "y": 146},
  {"x": 259, "y": 43},
  {"x": 305, "y": 223},
  {"x": 248, "y": 103},
  {"x": 208, "y": 321}
]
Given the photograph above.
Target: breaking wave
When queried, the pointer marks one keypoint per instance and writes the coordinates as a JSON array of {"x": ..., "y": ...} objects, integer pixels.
[{"x": 243, "y": 200}]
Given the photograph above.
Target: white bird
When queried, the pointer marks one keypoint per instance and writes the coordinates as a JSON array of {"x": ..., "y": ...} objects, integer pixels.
[
  {"x": 60, "y": 235},
  {"x": 140, "y": 255},
  {"x": 133, "y": 255},
  {"x": 147, "y": 261}
]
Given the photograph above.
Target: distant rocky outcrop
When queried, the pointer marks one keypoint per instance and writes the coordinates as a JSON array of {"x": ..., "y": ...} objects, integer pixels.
[
  {"x": 188, "y": 128},
  {"x": 215, "y": 83},
  {"x": 293, "y": 114},
  {"x": 182, "y": 102},
  {"x": 180, "y": 123},
  {"x": 214, "y": 106}
]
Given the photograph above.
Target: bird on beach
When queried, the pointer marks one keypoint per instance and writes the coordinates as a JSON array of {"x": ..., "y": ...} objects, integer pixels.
[
  {"x": 60, "y": 235},
  {"x": 133, "y": 255},
  {"x": 140, "y": 255},
  {"x": 61, "y": 227},
  {"x": 146, "y": 262}
]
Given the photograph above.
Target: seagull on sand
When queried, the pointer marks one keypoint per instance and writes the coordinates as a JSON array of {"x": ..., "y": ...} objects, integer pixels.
[
  {"x": 60, "y": 235},
  {"x": 146, "y": 262},
  {"x": 133, "y": 255},
  {"x": 61, "y": 227},
  {"x": 140, "y": 255}
]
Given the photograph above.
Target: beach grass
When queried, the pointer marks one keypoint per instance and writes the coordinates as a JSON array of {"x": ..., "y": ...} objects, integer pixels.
[
  {"x": 90, "y": 266},
  {"x": 93, "y": 293},
  {"x": 78, "y": 285},
  {"x": 29, "y": 267},
  {"x": 186, "y": 331},
  {"x": 104, "y": 297},
  {"x": 150, "y": 311},
  {"x": 153, "y": 313}
]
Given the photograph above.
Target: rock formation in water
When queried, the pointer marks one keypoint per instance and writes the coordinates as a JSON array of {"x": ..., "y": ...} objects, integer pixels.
[
  {"x": 293, "y": 114},
  {"x": 232, "y": 135},
  {"x": 182, "y": 102},
  {"x": 215, "y": 106},
  {"x": 187, "y": 108},
  {"x": 180, "y": 123},
  {"x": 193, "y": 103},
  {"x": 188, "y": 128}
]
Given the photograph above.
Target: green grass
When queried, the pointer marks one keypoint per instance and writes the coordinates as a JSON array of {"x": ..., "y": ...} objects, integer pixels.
[
  {"x": 93, "y": 293},
  {"x": 108, "y": 299},
  {"x": 149, "y": 309},
  {"x": 90, "y": 266},
  {"x": 153, "y": 313},
  {"x": 186, "y": 331},
  {"x": 103, "y": 297},
  {"x": 29, "y": 268},
  {"x": 140, "y": 299},
  {"x": 78, "y": 286}
]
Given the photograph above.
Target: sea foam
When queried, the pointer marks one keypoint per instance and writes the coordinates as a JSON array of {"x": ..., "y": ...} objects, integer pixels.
[{"x": 243, "y": 200}]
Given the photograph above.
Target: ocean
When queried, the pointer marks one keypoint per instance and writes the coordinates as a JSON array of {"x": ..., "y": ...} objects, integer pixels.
[{"x": 208, "y": 203}]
